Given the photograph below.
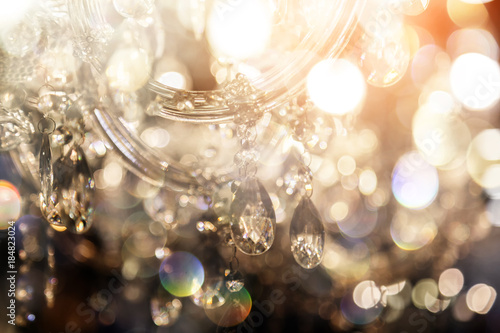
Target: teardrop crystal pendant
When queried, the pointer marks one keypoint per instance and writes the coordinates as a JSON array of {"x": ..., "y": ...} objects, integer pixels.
[
  {"x": 253, "y": 221},
  {"x": 46, "y": 182},
  {"x": 70, "y": 202},
  {"x": 307, "y": 234}
]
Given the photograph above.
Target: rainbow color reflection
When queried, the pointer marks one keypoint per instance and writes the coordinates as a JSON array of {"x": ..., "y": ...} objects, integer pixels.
[
  {"x": 415, "y": 183},
  {"x": 181, "y": 274},
  {"x": 10, "y": 203},
  {"x": 234, "y": 311}
]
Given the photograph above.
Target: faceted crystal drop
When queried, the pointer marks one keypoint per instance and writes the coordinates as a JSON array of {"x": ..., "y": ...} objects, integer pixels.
[
  {"x": 70, "y": 202},
  {"x": 253, "y": 221},
  {"x": 46, "y": 178},
  {"x": 234, "y": 280},
  {"x": 307, "y": 234}
]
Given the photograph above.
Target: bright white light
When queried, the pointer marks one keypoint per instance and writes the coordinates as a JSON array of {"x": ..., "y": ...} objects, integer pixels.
[
  {"x": 483, "y": 159},
  {"x": 13, "y": 11},
  {"x": 128, "y": 69},
  {"x": 475, "y": 81},
  {"x": 451, "y": 281},
  {"x": 366, "y": 294},
  {"x": 336, "y": 86},
  {"x": 415, "y": 183},
  {"x": 173, "y": 79},
  {"x": 113, "y": 174},
  {"x": 480, "y": 298},
  {"x": 239, "y": 29}
]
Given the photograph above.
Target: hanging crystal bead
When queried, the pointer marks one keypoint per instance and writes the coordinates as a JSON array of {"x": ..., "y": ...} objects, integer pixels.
[
  {"x": 70, "y": 202},
  {"x": 307, "y": 234},
  {"x": 47, "y": 180},
  {"x": 234, "y": 280},
  {"x": 253, "y": 220}
]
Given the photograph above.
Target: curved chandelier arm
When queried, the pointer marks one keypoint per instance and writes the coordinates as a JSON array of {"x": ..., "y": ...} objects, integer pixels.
[
  {"x": 211, "y": 107},
  {"x": 276, "y": 84},
  {"x": 139, "y": 158}
]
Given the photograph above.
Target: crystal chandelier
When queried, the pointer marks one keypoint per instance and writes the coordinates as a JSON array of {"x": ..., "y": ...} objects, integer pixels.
[{"x": 207, "y": 162}]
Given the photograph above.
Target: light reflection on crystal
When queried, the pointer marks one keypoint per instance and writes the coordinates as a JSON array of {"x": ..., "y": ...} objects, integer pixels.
[
  {"x": 234, "y": 281},
  {"x": 307, "y": 235},
  {"x": 70, "y": 200},
  {"x": 253, "y": 221}
]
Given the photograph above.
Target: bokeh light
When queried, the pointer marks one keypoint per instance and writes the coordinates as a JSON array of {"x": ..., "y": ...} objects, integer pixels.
[
  {"x": 474, "y": 81},
  {"x": 440, "y": 136},
  {"x": 367, "y": 182},
  {"x": 461, "y": 311},
  {"x": 428, "y": 60},
  {"x": 10, "y": 204},
  {"x": 493, "y": 212},
  {"x": 483, "y": 159},
  {"x": 366, "y": 294},
  {"x": 411, "y": 7},
  {"x": 357, "y": 315},
  {"x": 336, "y": 86},
  {"x": 128, "y": 69},
  {"x": 181, "y": 274},
  {"x": 412, "y": 231},
  {"x": 239, "y": 29},
  {"x": 480, "y": 298},
  {"x": 425, "y": 293},
  {"x": 12, "y": 12},
  {"x": 472, "y": 41},
  {"x": 234, "y": 311},
  {"x": 451, "y": 282},
  {"x": 415, "y": 183},
  {"x": 466, "y": 14},
  {"x": 360, "y": 224}
]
